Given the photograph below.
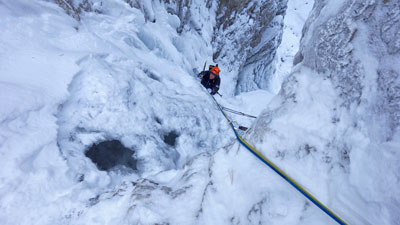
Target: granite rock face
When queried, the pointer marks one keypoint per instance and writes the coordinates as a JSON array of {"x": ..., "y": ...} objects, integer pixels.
[
  {"x": 246, "y": 37},
  {"x": 75, "y": 8},
  {"x": 357, "y": 48}
]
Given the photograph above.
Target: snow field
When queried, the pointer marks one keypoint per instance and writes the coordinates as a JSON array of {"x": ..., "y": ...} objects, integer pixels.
[{"x": 107, "y": 77}]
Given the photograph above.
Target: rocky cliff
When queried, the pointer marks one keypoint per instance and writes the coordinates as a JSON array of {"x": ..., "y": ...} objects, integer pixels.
[
  {"x": 344, "y": 94},
  {"x": 244, "y": 34},
  {"x": 246, "y": 37}
]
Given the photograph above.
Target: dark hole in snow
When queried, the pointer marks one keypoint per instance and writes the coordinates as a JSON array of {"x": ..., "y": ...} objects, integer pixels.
[
  {"x": 151, "y": 75},
  {"x": 170, "y": 138},
  {"x": 108, "y": 154},
  {"x": 81, "y": 178},
  {"x": 158, "y": 120}
]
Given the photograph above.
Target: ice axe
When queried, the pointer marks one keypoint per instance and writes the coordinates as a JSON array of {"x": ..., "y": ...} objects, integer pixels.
[{"x": 204, "y": 68}]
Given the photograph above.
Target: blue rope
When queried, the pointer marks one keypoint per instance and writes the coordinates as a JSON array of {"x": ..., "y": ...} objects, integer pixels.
[{"x": 280, "y": 172}]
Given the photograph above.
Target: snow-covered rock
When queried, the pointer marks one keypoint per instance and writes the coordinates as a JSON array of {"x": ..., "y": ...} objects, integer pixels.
[
  {"x": 246, "y": 37},
  {"x": 125, "y": 70},
  {"x": 296, "y": 14},
  {"x": 337, "y": 112}
]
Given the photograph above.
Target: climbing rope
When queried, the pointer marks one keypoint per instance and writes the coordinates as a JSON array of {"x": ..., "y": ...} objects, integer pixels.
[
  {"x": 277, "y": 170},
  {"x": 236, "y": 112}
]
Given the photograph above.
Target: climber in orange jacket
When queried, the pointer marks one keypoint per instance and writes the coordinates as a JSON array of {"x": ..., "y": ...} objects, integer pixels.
[{"x": 210, "y": 79}]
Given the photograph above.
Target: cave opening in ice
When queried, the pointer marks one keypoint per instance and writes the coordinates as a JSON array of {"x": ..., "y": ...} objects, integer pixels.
[{"x": 110, "y": 154}]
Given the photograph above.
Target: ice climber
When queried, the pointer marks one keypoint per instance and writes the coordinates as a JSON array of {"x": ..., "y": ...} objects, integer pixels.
[{"x": 210, "y": 79}]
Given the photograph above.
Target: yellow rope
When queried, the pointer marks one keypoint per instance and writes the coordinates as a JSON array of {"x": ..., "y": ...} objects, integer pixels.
[{"x": 279, "y": 171}]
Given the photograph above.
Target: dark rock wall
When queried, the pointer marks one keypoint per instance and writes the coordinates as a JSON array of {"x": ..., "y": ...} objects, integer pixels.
[{"x": 246, "y": 37}]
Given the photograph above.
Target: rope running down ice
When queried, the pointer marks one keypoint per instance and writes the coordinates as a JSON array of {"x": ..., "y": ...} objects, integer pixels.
[{"x": 278, "y": 170}]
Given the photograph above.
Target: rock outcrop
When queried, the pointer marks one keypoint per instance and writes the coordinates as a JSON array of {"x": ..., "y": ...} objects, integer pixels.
[
  {"x": 344, "y": 94},
  {"x": 246, "y": 37}
]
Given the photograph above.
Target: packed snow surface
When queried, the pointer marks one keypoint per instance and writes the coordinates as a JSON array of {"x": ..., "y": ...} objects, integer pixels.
[
  {"x": 125, "y": 73},
  {"x": 296, "y": 15}
]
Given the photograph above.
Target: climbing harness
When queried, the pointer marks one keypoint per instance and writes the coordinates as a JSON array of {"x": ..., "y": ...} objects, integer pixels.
[{"x": 276, "y": 168}]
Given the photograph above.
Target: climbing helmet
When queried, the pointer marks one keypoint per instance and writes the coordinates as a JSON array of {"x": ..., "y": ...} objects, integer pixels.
[{"x": 215, "y": 70}]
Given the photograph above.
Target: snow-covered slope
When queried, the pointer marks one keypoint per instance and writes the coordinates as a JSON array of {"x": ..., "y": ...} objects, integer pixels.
[
  {"x": 125, "y": 70},
  {"x": 139, "y": 92},
  {"x": 334, "y": 124},
  {"x": 39, "y": 48},
  {"x": 115, "y": 74}
]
